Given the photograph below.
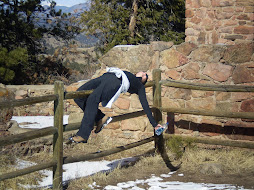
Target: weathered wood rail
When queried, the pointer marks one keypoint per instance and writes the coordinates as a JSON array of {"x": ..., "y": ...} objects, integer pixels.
[{"x": 57, "y": 130}]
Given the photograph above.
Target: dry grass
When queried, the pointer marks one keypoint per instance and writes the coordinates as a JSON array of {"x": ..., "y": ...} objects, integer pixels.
[
  {"x": 8, "y": 164},
  {"x": 233, "y": 160}
]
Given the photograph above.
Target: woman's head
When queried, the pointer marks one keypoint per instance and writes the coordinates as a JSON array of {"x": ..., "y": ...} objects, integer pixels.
[{"x": 143, "y": 76}]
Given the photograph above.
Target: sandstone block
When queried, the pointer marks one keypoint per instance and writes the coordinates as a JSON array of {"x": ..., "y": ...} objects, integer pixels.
[
  {"x": 172, "y": 58},
  {"x": 210, "y": 54},
  {"x": 239, "y": 53},
  {"x": 218, "y": 72},
  {"x": 233, "y": 37},
  {"x": 224, "y": 106},
  {"x": 201, "y": 103},
  {"x": 172, "y": 103},
  {"x": 134, "y": 124},
  {"x": 243, "y": 74},
  {"x": 130, "y": 57},
  {"x": 189, "y": 13},
  {"x": 248, "y": 105},
  {"x": 155, "y": 61},
  {"x": 205, "y": 3},
  {"x": 173, "y": 74},
  {"x": 239, "y": 96},
  {"x": 222, "y": 96},
  {"x": 135, "y": 102},
  {"x": 122, "y": 103},
  {"x": 244, "y": 3},
  {"x": 160, "y": 45},
  {"x": 244, "y": 30},
  {"x": 191, "y": 71},
  {"x": 195, "y": 20},
  {"x": 186, "y": 48},
  {"x": 181, "y": 93},
  {"x": 191, "y": 32},
  {"x": 201, "y": 94},
  {"x": 222, "y": 3}
]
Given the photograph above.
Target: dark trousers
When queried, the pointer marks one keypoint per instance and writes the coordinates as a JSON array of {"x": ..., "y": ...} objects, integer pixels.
[{"x": 104, "y": 88}]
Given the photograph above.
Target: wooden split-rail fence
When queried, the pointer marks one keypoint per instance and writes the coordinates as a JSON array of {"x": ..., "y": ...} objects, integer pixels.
[{"x": 57, "y": 130}]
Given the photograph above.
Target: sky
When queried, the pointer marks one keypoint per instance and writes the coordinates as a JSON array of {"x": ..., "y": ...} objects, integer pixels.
[
  {"x": 67, "y": 3},
  {"x": 81, "y": 169}
]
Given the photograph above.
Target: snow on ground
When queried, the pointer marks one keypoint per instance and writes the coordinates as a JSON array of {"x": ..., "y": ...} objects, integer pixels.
[
  {"x": 82, "y": 169},
  {"x": 37, "y": 122}
]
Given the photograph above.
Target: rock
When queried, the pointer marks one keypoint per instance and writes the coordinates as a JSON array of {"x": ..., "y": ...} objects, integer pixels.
[
  {"x": 134, "y": 124},
  {"x": 201, "y": 103},
  {"x": 211, "y": 168},
  {"x": 248, "y": 105},
  {"x": 122, "y": 103},
  {"x": 133, "y": 58},
  {"x": 160, "y": 45},
  {"x": 173, "y": 74},
  {"x": 239, "y": 53},
  {"x": 191, "y": 71},
  {"x": 186, "y": 48},
  {"x": 15, "y": 129},
  {"x": 218, "y": 71},
  {"x": 210, "y": 54},
  {"x": 243, "y": 74},
  {"x": 172, "y": 58}
]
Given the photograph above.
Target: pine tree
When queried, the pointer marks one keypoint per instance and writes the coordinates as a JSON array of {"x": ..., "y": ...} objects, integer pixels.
[
  {"x": 22, "y": 24},
  {"x": 117, "y": 22}
]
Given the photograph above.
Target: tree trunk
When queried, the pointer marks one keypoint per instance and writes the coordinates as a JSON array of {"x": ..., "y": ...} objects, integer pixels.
[{"x": 134, "y": 13}]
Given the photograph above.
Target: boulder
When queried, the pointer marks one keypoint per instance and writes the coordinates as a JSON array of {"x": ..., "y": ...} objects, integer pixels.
[
  {"x": 211, "y": 168},
  {"x": 133, "y": 58}
]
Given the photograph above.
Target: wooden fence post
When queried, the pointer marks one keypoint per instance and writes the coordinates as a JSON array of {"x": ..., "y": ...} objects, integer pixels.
[
  {"x": 171, "y": 123},
  {"x": 58, "y": 137},
  {"x": 159, "y": 140},
  {"x": 157, "y": 104}
]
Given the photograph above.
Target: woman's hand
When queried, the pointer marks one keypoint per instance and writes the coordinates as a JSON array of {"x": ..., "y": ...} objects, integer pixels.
[{"x": 158, "y": 126}]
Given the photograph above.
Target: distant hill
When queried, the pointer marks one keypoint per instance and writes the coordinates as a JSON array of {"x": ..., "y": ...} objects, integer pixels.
[
  {"x": 82, "y": 40},
  {"x": 76, "y": 9}
]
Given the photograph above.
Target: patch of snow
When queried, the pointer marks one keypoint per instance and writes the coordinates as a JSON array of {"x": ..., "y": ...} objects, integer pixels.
[{"x": 37, "y": 122}]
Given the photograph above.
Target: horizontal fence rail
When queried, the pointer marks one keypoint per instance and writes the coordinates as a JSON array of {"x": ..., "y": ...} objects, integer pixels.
[
  {"x": 232, "y": 143},
  {"x": 27, "y": 136},
  {"x": 243, "y": 115},
  {"x": 77, "y": 94},
  {"x": 207, "y": 87},
  {"x": 27, "y": 101},
  {"x": 27, "y": 170},
  {"x": 75, "y": 126},
  {"x": 78, "y": 158}
]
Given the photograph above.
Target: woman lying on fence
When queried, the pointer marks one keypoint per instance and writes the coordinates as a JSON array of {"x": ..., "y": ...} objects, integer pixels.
[{"x": 107, "y": 89}]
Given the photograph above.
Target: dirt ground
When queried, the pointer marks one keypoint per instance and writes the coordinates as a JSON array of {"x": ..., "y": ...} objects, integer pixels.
[{"x": 131, "y": 174}]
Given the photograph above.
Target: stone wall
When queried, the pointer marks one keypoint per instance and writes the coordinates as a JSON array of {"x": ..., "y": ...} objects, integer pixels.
[{"x": 219, "y": 21}]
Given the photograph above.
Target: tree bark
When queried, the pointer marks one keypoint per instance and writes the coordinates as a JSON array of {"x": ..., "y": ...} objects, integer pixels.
[{"x": 133, "y": 19}]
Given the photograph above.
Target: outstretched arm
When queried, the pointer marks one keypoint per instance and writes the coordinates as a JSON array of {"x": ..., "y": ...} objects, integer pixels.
[{"x": 145, "y": 105}]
